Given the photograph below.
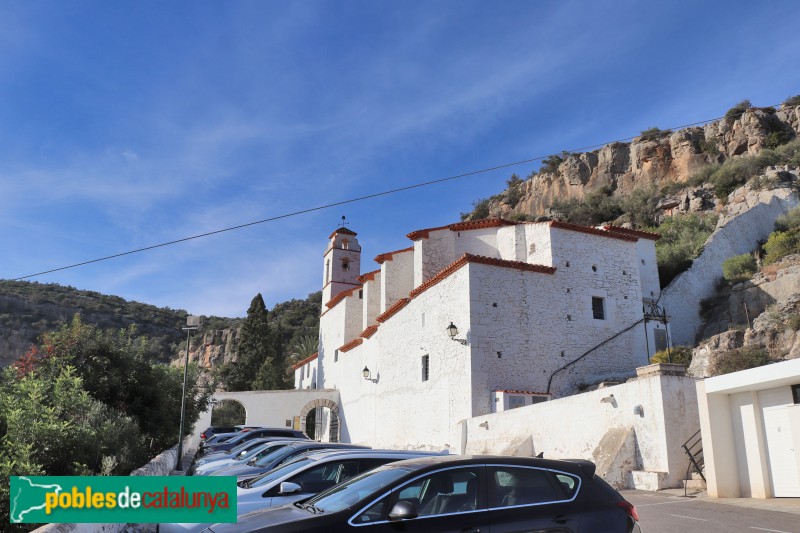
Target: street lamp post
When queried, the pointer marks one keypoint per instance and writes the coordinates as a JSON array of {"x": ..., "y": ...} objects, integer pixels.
[{"x": 192, "y": 323}]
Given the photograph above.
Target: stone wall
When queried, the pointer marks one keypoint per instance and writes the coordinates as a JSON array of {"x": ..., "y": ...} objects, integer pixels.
[
  {"x": 750, "y": 218},
  {"x": 161, "y": 465}
]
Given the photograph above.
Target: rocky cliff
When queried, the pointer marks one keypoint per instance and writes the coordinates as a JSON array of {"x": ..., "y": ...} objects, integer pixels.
[
  {"x": 656, "y": 158},
  {"x": 762, "y": 313}
]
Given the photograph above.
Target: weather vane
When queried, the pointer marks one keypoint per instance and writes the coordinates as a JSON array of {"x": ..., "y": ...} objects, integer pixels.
[{"x": 344, "y": 222}]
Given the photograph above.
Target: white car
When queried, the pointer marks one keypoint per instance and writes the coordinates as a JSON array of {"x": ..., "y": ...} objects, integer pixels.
[{"x": 303, "y": 478}]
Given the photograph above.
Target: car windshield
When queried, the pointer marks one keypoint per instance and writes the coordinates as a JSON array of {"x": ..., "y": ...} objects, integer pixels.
[
  {"x": 354, "y": 490},
  {"x": 243, "y": 447},
  {"x": 277, "y": 473},
  {"x": 261, "y": 451},
  {"x": 266, "y": 460}
]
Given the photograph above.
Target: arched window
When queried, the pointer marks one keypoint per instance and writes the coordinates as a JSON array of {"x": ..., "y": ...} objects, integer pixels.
[
  {"x": 327, "y": 271},
  {"x": 345, "y": 264}
]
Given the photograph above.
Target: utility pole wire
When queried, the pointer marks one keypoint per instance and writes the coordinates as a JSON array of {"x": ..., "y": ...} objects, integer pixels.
[{"x": 342, "y": 202}]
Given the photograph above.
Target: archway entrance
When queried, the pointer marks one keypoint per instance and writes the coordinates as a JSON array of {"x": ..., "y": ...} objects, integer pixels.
[
  {"x": 228, "y": 413},
  {"x": 319, "y": 419}
]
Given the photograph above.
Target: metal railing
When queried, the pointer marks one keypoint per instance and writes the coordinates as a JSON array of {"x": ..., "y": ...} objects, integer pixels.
[{"x": 694, "y": 449}]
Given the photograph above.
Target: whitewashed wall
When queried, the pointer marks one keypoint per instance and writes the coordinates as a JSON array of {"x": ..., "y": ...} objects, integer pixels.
[
  {"x": 372, "y": 301},
  {"x": 572, "y": 427},
  {"x": 397, "y": 278}
]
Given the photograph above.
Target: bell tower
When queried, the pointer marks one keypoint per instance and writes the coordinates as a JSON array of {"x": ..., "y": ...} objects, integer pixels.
[{"x": 342, "y": 263}]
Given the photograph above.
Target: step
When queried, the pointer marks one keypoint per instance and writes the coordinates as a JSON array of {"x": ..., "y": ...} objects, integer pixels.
[
  {"x": 694, "y": 484},
  {"x": 648, "y": 480},
  {"x": 696, "y": 476}
]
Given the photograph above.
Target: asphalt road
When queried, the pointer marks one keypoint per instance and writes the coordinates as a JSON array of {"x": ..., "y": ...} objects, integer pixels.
[{"x": 659, "y": 513}]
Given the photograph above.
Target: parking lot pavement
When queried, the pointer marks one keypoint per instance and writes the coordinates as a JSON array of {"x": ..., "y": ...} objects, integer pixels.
[{"x": 667, "y": 513}]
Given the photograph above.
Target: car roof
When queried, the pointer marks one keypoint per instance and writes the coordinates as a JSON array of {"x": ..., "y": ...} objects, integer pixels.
[
  {"x": 305, "y": 443},
  {"x": 574, "y": 466},
  {"x": 356, "y": 453}
]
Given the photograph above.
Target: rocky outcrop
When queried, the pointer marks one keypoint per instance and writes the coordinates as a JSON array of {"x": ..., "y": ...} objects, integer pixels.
[
  {"x": 652, "y": 160},
  {"x": 748, "y": 217},
  {"x": 212, "y": 348},
  {"x": 763, "y": 312}
]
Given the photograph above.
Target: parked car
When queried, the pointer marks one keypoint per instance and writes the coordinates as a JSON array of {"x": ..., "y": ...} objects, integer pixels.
[
  {"x": 302, "y": 478},
  {"x": 213, "y": 430},
  {"x": 457, "y": 493},
  {"x": 258, "y": 467},
  {"x": 246, "y": 435},
  {"x": 213, "y": 462}
]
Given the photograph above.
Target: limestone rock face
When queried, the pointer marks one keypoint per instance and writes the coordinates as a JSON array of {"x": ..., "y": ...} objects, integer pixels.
[
  {"x": 211, "y": 349},
  {"x": 645, "y": 162},
  {"x": 768, "y": 302}
]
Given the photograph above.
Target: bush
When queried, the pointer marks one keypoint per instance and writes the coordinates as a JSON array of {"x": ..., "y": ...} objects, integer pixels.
[
  {"x": 740, "y": 359},
  {"x": 709, "y": 147},
  {"x": 789, "y": 221},
  {"x": 480, "y": 209},
  {"x": 641, "y": 206},
  {"x": 739, "y": 268},
  {"x": 793, "y": 322},
  {"x": 737, "y": 111},
  {"x": 654, "y": 133},
  {"x": 596, "y": 208},
  {"x": 780, "y": 244},
  {"x": 792, "y": 101},
  {"x": 777, "y": 138},
  {"x": 681, "y": 355},
  {"x": 550, "y": 164},
  {"x": 682, "y": 239}
]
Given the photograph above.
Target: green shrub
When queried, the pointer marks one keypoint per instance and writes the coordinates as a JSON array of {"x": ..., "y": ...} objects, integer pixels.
[
  {"x": 792, "y": 101},
  {"x": 654, "y": 133},
  {"x": 709, "y": 147},
  {"x": 596, "y": 208},
  {"x": 780, "y": 244},
  {"x": 740, "y": 359},
  {"x": 737, "y": 111},
  {"x": 739, "y": 268},
  {"x": 681, "y": 355},
  {"x": 550, "y": 164},
  {"x": 789, "y": 221},
  {"x": 777, "y": 138},
  {"x": 793, "y": 322},
  {"x": 641, "y": 206},
  {"x": 682, "y": 239},
  {"x": 703, "y": 175},
  {"x": 480, "y": 209}
]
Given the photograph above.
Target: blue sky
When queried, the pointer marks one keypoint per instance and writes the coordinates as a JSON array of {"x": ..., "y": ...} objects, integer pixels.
[{"x": 127, "y": 124}]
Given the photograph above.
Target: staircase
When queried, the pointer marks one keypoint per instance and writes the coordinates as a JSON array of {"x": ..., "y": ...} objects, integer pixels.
[{"x": 694, "y": 479}]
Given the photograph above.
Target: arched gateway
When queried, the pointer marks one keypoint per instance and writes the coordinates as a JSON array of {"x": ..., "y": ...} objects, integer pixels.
[
  {"x": 285, "y": 408},
  {"x": 316, "y": 416}
]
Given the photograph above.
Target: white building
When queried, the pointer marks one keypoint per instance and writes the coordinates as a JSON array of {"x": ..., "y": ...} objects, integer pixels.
[{"x": 542, "y": 311}]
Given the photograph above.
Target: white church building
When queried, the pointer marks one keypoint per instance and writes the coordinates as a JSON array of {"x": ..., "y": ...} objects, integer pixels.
[{"x": 478, "y": 317}]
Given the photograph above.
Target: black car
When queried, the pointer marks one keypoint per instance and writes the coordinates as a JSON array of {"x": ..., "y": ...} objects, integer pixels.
[
  {"x": 460, "y": 494},
  {"x": 249, "y": 434}
]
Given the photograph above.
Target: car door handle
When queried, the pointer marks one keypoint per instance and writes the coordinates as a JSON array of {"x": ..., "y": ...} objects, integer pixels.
[
  {"x": 471, "y": 530},
  {"x": 560, "y": 519}
]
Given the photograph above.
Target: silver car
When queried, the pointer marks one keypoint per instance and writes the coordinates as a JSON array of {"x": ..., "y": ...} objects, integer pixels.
[
  {"x": 303, "y": 478},
  {"x": 212, "y": 463}
]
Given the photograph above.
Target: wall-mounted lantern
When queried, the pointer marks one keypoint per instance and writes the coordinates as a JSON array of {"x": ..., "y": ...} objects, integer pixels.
[{"x": 452, "y": 331}]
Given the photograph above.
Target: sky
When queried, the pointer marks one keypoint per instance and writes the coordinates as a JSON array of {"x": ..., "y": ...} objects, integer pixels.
[{"x": 128, "y": 124}]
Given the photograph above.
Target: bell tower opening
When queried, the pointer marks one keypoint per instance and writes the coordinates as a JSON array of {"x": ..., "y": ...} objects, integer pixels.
[{"x": 342, "y": 263}]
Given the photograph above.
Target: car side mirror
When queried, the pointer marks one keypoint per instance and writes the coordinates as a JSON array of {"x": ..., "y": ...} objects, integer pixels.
[
  {"x": 287, "y": 487},
  {"x": 403, "y": 510}
]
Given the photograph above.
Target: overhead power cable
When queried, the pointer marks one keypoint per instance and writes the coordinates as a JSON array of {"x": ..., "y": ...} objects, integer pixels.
[{"x": 342, "y": 202}]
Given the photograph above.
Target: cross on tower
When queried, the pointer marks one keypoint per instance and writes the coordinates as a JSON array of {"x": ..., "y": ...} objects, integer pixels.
[{"x": 344, "y": 222}]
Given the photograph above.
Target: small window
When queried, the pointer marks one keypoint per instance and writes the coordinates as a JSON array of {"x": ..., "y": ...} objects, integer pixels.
[
  {"x": 345, "y": 265},
  {"x": 539, "y": 399},
  {"x": 642, "y": 261},
  {"x": 594, "y": 268},
  {"x": 516, "y": 401},
  {"x": 598, "y": 308},
  {"x": 345, "y": 244},
  {"x": 336, "y": 356},
  {"x": 425, "y": 367},
  {"x": 796, "y": 393},
  {"x": 360, "y": 294}
]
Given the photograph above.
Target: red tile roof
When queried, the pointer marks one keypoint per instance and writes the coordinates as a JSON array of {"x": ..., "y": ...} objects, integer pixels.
[
  {"x": 350, "y": 345},
  {"x": 341, "y": 296},
  {"x": 388, "y": 255},
  {"x": 306, "y": 360},
  {"x": 591, "y": 230},
  {"x": 479, "y": 259},
  {"x": 368, "y": 332},
  {"x": 632, "y": 232},
  {"x": 398, "y": 305},
  {"x": 342, "y": 230},
  {"x": 462, "y": 226},
  {"x": 369, "y": 276}
]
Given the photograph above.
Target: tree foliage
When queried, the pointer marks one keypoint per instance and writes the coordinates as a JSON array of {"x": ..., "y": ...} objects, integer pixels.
[
  {"x": 739, "y": 268},
  {"x": 682, "y": 240}
]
